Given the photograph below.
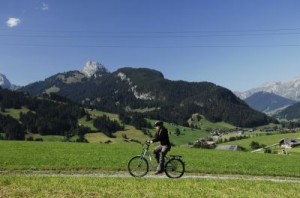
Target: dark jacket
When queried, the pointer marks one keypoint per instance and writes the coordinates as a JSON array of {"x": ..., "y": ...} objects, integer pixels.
[{"x": 163, "y": 136}]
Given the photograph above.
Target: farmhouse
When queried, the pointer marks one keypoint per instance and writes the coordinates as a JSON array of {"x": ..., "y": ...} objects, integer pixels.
[
  {"x": 203, "y": 143},
  {"x": 289, "y": 142},
  {"x": 229, "y": 147}
]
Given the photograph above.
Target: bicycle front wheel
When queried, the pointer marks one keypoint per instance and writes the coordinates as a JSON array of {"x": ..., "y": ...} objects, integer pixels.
[
  {"x": 138, "y": 166},
  {"x": 174, "y": 168}
]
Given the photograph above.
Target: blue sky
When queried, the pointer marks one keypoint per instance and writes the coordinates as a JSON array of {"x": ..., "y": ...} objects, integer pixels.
[{"x": 237, "y": 44}]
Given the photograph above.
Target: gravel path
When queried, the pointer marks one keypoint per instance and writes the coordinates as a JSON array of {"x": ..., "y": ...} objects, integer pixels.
[{"x": 150, "y": 175}]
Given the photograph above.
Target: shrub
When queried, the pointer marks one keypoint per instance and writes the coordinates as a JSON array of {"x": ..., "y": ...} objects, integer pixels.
[
  {"x": 124, "y": 136},
  {"x": 267, "y": 150},
  {"x": 254, "y": 145},
  {"x": 30, "y": 138}
]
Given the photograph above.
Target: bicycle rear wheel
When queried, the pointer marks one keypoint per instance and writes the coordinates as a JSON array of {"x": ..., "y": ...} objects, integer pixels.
[
  {"x": 174, "y": 168},
  {"x": 138, "y": 166}
]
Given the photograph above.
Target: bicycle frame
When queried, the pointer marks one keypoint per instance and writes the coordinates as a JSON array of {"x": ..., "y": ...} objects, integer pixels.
[{"x": 147, "y": 155}]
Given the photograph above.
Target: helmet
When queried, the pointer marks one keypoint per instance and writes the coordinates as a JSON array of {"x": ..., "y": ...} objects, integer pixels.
[{"x": 158, "y": 123}]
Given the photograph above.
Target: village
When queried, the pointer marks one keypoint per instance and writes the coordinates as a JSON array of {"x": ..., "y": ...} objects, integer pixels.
[{"x": 228, "y": 140}]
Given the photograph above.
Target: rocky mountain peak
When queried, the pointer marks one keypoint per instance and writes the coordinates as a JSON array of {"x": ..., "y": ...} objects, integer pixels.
[
  {"x": 93, "y": 68},
  {"x": 4, "y": 82},
  {"x": 289, "y": 89}
]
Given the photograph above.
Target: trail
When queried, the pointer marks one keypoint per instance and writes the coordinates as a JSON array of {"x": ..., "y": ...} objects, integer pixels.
[{"x": 150, "y": 175}]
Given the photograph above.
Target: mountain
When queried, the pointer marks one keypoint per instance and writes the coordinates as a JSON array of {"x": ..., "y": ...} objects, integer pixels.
[
  {"x": 142, "y": 88},
  {"x": 92, "y": 68},
  {"x": 290, "y": 113},
  {"x": 289, "y": 89},
  {"x": 267, "y": 102},
  {"x": 4, "y": 82}
]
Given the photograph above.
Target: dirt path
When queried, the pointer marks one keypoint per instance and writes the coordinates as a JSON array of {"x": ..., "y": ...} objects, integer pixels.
[{"x": 120, "y": 174}]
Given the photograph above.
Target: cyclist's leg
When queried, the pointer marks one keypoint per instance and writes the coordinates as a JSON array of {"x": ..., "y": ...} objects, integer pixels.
[
  {"x": 156, "y": 152},
  {"x": 165, "y": 149}
]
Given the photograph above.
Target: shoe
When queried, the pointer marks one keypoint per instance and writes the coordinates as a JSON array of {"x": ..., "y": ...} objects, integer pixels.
[{"x": 158, "y": 172}]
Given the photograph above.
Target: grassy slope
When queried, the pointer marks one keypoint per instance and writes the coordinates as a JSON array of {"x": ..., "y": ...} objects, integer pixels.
[
  {"x": 15, "y": 113},
  {"x": 187, "y": 134}
]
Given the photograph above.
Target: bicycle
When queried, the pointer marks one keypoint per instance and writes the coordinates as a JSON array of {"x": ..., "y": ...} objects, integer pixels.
[{"x": 138, "y": 166}]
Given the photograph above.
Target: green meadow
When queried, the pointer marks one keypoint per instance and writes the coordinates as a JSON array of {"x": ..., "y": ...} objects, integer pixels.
[
  {"x": 22, "y": 164},
  {"x": 19, "y": 158},
  {"x": 41, "y": 186},
  {"x": 114, "y": 157}
]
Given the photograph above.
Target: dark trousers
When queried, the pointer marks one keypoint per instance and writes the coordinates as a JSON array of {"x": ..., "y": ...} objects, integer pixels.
[{"x": 160, "y": 153}]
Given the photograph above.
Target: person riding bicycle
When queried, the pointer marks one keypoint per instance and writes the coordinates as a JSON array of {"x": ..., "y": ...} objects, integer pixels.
[{"x": 162, "y": 135}]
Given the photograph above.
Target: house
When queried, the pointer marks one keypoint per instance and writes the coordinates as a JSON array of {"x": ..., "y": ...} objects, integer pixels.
[
  {"x": 229, "y": 147},
  {"x": 289, "y": 142},
  {"x": 203, "y": 143}
]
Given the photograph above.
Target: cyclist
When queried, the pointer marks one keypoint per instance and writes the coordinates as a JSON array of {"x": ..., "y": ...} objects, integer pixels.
[{"x": 162, "y": 135}]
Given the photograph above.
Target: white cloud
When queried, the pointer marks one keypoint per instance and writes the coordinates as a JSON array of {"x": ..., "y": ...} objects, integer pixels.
[
  {"x": 44, "y": 6},
  {"x": 13, "y": 22}
]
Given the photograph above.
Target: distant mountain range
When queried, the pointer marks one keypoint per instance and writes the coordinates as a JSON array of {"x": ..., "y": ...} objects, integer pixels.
[
  {"x": 146, "y": 90},
  {"x": 134, "y": 88},
  {"x": 268, "y": 102},
  {"x": 289, "y": 89},
  {"x": 279, "y": 99}
]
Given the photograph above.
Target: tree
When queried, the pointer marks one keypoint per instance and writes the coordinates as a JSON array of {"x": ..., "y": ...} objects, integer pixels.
[
  {"x": 12, "y": 128},
  {"x": 81, "y": 131},
  {"x": 124, "y": 118},
  {"x": 177, "y": 131},
  {"x": 88, "y": 117},
  {"x": 105, "y": 125}
]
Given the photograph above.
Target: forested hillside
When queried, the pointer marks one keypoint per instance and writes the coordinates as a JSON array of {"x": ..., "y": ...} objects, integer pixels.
[
  {"x": 50, "y": 115},
  {"x": 143, "y": 88},
  {"x": 291, "y": 112}
]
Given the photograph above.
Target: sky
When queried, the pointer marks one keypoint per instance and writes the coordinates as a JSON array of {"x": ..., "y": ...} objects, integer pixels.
[{"x": 237, "y": 44}]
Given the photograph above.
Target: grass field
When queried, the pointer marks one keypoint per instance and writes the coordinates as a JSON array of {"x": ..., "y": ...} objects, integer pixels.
[
  {"x": 55, "y": 156},
  {"x": 22, "y": 186},
  {"x": 17, "y": 157},
  {"x": 114, "y": 157}
]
